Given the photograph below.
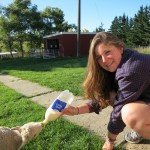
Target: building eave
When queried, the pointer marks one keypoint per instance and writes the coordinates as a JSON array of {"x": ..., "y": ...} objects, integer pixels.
[{"x": 62, "y": 33}]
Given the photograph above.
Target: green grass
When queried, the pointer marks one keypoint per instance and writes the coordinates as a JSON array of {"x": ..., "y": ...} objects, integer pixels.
[
  {"x": 17, "y": 110},
  {"x": 58, "y": 74},
  {"x": 143, "y": 50}
]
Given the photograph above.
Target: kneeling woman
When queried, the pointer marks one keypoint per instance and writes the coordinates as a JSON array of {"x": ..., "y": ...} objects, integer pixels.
[{"x": 121, "y": 78}]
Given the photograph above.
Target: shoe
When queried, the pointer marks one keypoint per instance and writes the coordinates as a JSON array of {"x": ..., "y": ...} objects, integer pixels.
[{"x": 133, "y": 137}]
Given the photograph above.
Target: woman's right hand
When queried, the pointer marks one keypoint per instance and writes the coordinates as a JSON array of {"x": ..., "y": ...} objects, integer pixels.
[{"x": 108, "y": 145}]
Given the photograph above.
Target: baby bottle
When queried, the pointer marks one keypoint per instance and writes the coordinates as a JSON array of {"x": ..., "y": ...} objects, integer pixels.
[{"x": 54, "y": 110}]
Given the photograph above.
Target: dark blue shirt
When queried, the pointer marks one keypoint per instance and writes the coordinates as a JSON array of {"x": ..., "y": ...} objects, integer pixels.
[{"x": 133, "y": 81}]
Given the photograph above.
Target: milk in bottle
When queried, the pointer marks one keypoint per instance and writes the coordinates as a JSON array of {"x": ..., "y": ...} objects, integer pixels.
[{"x": 54, "y": 110}]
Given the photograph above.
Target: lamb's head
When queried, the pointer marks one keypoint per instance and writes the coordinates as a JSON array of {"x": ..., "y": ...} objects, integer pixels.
[{"x": 29, "y": 131}]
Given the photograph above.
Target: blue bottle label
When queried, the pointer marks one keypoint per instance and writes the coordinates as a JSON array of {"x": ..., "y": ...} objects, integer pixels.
[{"x": 59, "y": 105}]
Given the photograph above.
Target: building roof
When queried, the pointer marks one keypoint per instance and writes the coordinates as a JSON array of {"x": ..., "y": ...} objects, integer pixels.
[{"x": 61, "y": 33}]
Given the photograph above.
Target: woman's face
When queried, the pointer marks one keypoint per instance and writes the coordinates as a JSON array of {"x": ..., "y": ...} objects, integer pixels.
[{"x": 108, "y": 56}]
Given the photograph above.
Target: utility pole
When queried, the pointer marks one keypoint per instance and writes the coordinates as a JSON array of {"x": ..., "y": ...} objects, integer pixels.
[{"x": 78, "y": 28}]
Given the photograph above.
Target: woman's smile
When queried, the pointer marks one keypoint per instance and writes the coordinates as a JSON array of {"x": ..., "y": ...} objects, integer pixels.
[{"x": 108, "y": 56}]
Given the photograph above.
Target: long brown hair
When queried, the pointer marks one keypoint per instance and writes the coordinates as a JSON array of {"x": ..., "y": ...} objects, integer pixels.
[{"x": 98, "y": 82}]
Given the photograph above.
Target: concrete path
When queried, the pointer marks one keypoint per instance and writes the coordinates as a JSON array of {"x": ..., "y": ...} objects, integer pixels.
[{"x": 93, "y": 122}]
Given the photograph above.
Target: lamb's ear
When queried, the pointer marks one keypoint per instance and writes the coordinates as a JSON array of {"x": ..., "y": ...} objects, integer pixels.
[{"x": 17, "y": 128}]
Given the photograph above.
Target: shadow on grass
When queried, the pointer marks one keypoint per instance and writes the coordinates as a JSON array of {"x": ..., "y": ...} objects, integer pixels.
[{"x": 32, "y": 64}]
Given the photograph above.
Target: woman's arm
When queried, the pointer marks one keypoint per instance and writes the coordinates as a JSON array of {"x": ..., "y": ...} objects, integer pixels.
[
  {"x": 111, "y": 137},
  {"x": 71, "y": 111},
  {"x": 91, "y": 106}
]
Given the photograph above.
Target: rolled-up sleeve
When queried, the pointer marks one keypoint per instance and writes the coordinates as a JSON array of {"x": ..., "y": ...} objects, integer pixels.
[{"x": 94, "y": 107}]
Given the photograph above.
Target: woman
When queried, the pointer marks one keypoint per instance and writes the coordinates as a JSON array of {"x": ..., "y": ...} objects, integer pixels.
[{"x": 112, "y": 69}]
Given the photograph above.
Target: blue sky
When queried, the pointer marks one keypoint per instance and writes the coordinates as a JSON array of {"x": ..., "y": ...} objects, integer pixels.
[{"x": 93, "y": 12}]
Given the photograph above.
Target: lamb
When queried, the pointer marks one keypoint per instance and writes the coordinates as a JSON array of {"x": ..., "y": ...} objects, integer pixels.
[{"x": 15, "y": 138}]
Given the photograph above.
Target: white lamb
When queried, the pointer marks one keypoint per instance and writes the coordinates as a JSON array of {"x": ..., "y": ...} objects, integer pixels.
[{"x": 15, "y": 138}]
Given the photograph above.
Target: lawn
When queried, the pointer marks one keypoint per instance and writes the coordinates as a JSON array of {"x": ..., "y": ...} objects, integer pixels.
[
  {"x": 58, "y": 74},
  {"x": 60, "y": 134}
]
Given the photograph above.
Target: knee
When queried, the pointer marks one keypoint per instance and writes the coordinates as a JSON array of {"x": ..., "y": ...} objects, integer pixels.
[{"x": 128, "y": 115}]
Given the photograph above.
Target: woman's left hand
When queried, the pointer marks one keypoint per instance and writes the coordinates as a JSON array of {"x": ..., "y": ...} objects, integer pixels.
[
  {"x": 108, "y": 145},
  {"x": 70, "y": 110}
]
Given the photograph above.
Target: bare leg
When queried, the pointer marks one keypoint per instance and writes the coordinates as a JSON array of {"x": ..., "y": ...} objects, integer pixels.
[{"x": 137, "y": 117}]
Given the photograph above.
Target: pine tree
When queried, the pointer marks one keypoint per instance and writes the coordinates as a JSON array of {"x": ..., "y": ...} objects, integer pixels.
[{"x": 141, "y": 27}]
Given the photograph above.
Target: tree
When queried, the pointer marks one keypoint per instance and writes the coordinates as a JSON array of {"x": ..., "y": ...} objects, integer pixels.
[
  {"x": 84, "y": 30},
  {"x": 53, "y": 21},
  {"x": 142, "y": 27},
  {"x": 58, "y": 20},
  {"x": 114, "y": 28},
  {"x": 6, "y": 35},
  {"x": 73, "y": 27},
  {"x": 129, "y": 37},
  {"x": 1, "y": 10},
  {"x": 34, "y": 26},
  {"x": 26, "y": 24},
  {"x": 100, "y": 28},
  {"x": 17, "y": 13},
  {"x": 134, "y": 31},
  {"x": 70, "y": 28},
  {"x": 125, "y": 32}
]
